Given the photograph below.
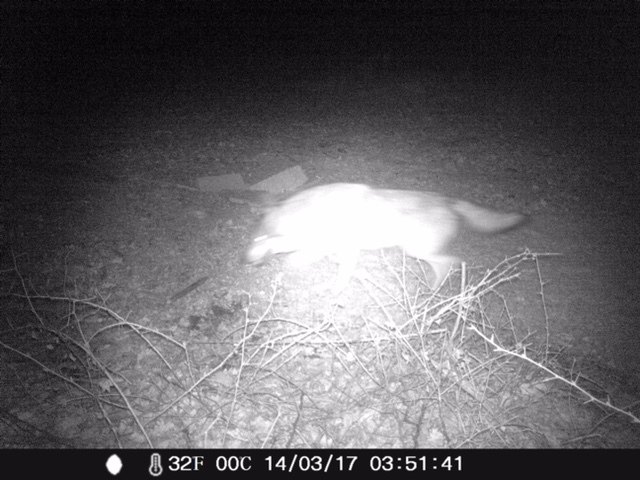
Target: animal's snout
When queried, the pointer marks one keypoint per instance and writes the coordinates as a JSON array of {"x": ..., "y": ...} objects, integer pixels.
[{"x": 258, "y": 251}]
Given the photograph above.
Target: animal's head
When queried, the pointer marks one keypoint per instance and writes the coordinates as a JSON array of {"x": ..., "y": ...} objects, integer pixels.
[
  {"x": 260, "y": 250},
  {"x": 265, "y": 246}
]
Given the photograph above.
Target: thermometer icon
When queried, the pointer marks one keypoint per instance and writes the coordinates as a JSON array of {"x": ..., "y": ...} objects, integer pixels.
[{"x": 155, "y": 468}]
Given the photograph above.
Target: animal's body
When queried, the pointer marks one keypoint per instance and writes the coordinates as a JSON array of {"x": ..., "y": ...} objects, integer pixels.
[{"x": 342, "y": 219}]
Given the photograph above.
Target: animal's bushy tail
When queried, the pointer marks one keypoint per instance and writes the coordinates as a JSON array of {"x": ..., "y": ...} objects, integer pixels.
[{"x": 486, "y": 220}]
